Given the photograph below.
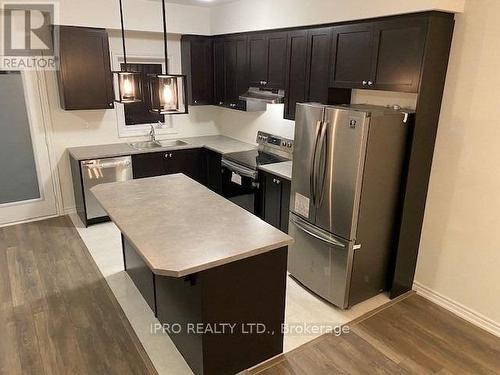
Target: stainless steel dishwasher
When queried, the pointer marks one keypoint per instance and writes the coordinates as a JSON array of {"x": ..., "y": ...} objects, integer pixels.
[{"x": 100, "y": 171}]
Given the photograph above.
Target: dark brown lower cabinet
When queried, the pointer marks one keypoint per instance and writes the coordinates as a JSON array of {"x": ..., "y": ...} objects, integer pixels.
[
  {"x": 275, "y": 200},
  {"x": 139, "y": 272},
  {"x": 154, "y": 164},
  {"x": 212, "y": 170},
  {"x": 222, "y": 320}
]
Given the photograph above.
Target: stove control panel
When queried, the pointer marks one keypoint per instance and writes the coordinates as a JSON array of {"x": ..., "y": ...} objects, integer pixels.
[{"x": 275, "y": 142}]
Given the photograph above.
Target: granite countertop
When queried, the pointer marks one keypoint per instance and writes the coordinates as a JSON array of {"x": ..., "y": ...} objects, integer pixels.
[
  {"x": 180, "y": 227},
  {"x": 283, "y": 170},
  {"x": 217, "y": 143}
]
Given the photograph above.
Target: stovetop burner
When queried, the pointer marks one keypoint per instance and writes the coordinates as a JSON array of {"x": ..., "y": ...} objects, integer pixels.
[{"x": 254, "y": 158}]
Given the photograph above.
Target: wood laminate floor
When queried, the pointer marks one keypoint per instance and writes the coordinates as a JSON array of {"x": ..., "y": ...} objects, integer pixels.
[
  {"x": 57, "y": 313},
  {"x": 413, "y": 336}
]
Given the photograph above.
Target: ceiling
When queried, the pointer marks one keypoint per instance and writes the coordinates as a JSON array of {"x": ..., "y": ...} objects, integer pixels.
[{"x": 203, "y": 3}]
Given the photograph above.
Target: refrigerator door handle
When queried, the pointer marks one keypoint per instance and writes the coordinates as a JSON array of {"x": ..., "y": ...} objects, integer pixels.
[
  {"x": 312, "y": 177},
  {"x": 320, "y": 174},
  {"x": 307, "y": 228}
]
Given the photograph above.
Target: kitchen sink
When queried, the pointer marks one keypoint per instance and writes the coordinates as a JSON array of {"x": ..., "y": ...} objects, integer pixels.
[
  {"x": 171, "y": 143},
  {"x": 147, "y": 145}
]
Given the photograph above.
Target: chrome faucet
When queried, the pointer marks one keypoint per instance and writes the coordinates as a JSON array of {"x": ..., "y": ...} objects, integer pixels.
[{"x": 152, "y": 134}]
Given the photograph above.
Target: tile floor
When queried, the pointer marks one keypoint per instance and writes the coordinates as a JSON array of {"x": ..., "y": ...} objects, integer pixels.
[{"x": 104, "y": 244}]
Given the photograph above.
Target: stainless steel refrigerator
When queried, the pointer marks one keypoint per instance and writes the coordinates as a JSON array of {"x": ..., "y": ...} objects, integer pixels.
[{"x": 348, "y": 173}]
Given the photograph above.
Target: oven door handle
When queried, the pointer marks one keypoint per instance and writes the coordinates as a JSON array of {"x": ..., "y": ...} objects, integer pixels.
[{"x": 239, "y": 169}]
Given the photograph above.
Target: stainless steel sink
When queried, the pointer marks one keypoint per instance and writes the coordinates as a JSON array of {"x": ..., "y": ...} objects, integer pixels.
[
  {"x": 145, "y": 145},
  {"x": 171, "y": 143},
  {"x": 148, "y": 145}
]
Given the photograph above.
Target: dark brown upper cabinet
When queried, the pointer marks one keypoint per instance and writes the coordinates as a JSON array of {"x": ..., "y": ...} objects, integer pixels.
[
  {"x": 308, "y": 68},
  {"x": 219, "y": 75},
  {"x": 353, "y": 55},
  {"x": 85, "y": 78},
  {"x": 383, "y": 55},
  {"x": 230, "y": 70},
  {"x": 235, "y": 65},
  {"x": 197, "y": 64},
  {"x": 399, "y": 51},
  {"x": 295, "y": 88},
  {"x": 319, "y": 53},
  {"x": 267, "y": 59}
]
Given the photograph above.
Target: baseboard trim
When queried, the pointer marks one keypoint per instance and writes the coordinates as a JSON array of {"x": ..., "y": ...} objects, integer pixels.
[
  {"x": 29, "y": 220},
  {"x": 69, "y": 210},
  {"x": 458, "y": 309}
]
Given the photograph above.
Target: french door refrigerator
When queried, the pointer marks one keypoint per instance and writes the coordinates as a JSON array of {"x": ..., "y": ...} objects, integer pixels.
[{"x": 348, "y": 172}]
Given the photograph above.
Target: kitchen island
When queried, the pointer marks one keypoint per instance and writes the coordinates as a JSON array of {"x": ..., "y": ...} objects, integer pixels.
[{"x": 213, "y": 274}]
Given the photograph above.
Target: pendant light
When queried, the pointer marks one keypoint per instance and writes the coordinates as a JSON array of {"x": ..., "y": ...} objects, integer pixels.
[
  {"x": 168, "y": 91},
  {"x": 127, "y": 83}
]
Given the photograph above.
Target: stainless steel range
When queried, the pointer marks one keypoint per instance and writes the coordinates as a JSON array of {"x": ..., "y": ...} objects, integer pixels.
[{"x": 240, "y": 177}]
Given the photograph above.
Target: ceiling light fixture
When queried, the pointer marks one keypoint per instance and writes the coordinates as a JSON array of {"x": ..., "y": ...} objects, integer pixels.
[
  {"x": 127, "y": 83},
  {"x": 168, "y": 91}
]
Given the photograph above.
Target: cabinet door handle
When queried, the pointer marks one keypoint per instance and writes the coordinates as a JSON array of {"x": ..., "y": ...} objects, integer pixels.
[
  {"x": 168, "y": 156},
  {"x": 370, "y": 83},
  {"x": 276, "y": 181},
  {"x": 196, "y": 102},
  {"x": 365, "y": 83}
]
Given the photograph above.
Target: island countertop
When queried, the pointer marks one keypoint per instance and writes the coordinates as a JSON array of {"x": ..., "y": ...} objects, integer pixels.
[{"x": 180, "y": 227}]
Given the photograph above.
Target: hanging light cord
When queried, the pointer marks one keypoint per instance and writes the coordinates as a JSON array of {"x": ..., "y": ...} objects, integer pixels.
[
  {"x": 165, "y": 35},
  {"x": 123, "y": 36}
]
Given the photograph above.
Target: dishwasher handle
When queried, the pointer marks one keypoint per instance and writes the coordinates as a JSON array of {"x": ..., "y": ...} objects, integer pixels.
[{"x": 91, "y": 164}]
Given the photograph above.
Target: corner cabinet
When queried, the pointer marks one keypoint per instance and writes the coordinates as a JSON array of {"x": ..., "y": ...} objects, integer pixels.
[
  {"x": 85, "y": 79},
  {"x": 197, "y": 64},
  {"x": 275, "y": 200},
  {"x": 381, "y": 55}
]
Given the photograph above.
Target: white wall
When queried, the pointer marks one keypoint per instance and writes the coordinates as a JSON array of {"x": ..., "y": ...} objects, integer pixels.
[
  {"x": 78, "y": 128},
  {"x": 139, "y": 15},
  {"x": 460, "y": 247},
  {"x": 249, "y": 15}
]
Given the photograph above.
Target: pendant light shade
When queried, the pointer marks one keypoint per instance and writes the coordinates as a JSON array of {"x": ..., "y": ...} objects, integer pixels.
[
  {"x": 128, "y": 87},
  {"x": 127, "y": 83},
  {"x": 168, "y": 94},
  {"x": 168, "y": 91}
]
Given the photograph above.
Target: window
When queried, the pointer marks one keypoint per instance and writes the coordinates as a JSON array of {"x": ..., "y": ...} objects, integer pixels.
[{"x": 139, "y": 113}]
